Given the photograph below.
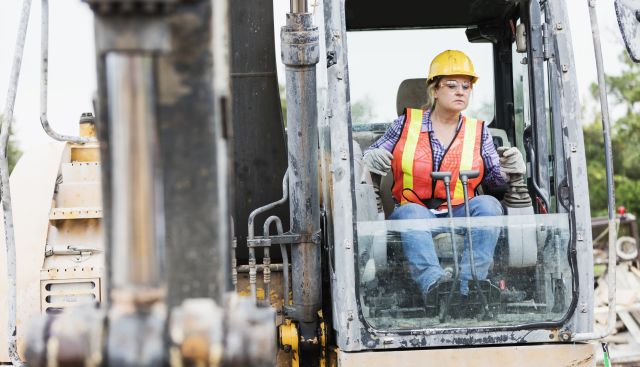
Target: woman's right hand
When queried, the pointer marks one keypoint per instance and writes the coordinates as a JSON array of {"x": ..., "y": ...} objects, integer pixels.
[{"x": 378, "y": 161}]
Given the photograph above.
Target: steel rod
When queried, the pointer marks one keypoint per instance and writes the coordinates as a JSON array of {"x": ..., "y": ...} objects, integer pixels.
[
  {"x": 266, "y": 268},
  {"x": 260, "y": 267},
  {"x": 5, "y": 188},
  {"x": 299, "y": 6},
  {"x": 137, "y": 248},
  {"x": 606, "y": 128},
  {"x": 44, "y": 81}
]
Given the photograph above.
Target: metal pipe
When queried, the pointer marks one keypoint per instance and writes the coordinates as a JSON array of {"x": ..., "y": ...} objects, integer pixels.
[
  {"x": 267, "y": 267},
  {"x": 299, "y": 6},
  {"x": 606, "y": 128},
  {"x": 137, "y": 249},
  {"x": 266, "y": 273},
  {"x": 300, "y": 54},
  {"x": 252, "y": 274},
  {"x": 5, "y": 188},
  {"x": 260, "y": 267},
  {"x": 251, "y": 231},
  {"x": 262, "y": 209},
  {"x": 44, "y": 81}
]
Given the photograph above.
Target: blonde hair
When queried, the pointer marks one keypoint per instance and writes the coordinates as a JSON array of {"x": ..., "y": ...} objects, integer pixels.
[{"x": 430, "y": 104}]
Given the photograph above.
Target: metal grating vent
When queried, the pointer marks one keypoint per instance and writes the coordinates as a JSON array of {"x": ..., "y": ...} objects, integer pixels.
[
  {"x": 132, "y": 6},
  {"x": 57, "y": 295}
]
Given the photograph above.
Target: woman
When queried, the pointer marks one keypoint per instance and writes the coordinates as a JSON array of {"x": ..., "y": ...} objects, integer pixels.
[{"x": 439, "y": 138}]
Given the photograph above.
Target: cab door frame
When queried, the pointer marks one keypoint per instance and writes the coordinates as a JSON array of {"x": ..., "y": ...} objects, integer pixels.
[{"x": 352, "y": 332}]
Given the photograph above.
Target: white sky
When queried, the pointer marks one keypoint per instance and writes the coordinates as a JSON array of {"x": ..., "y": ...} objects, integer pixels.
[{"x": 72, "y": 67}]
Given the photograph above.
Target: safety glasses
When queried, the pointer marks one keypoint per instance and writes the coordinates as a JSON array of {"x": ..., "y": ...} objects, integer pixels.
[{"x": 453, "y": 85}]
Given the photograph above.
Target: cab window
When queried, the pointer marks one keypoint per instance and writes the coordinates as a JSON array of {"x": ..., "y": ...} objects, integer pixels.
[{"x": 523, "y": 276}]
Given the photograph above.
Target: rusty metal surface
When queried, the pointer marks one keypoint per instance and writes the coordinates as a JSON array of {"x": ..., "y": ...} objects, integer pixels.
[
  {"x": 557, "y": 355},
  {"x": 300, "y": 54},
  {"x": 235, "y": 334},
  {"x": 136, "y": 338},
  {"x": 73, "y": 338},
  {"x": 193, "y": 132}
]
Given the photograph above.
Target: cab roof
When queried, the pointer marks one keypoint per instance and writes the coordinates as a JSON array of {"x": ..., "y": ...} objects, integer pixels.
[{"x": 406, "y": 14}]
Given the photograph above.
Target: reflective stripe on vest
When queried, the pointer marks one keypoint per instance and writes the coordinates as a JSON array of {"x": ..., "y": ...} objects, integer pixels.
[
  {"x": 413, "y": 161},
  {"x": 414, "y": 117},
  {"x": 466, "y": 160}
]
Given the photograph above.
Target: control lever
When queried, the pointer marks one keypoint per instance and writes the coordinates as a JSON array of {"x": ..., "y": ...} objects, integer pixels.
[
  {"x": 464, "y": 178},
  {"x": 446, "y": 178}
]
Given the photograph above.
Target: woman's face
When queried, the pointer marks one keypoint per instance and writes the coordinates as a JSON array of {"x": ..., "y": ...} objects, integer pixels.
[{"x": 452, "y": 92}]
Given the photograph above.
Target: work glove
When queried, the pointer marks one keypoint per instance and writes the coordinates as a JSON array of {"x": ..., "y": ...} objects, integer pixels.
[
  {"x": 378, "y": 161},
  {"x": 511, "y": 161}
]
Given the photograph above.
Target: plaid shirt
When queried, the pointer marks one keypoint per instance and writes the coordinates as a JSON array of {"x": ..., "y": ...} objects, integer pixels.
[{"x": 490, "y": 157}]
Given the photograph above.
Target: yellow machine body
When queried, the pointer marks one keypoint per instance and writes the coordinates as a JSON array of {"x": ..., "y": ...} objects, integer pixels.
[{"x": 57, "y": 213}]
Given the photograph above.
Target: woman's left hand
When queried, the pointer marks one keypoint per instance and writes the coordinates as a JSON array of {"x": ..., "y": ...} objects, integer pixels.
[{"x": 511, "y": 161}]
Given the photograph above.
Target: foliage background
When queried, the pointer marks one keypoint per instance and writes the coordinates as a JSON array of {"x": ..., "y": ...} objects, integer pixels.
[
  {"x": 13, "y": 150},
  {"x": 624, "y": 95}
]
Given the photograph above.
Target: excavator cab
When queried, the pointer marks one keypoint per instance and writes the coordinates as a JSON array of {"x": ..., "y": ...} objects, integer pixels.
[
  {"x": 541, "y": 267},
  {"x": 162, "y": 117}
]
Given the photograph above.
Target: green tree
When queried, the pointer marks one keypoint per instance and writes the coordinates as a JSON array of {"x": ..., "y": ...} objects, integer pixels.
[
  {"x": 624, "y": 91},
  {"x": 283, "y": 103},
  {"x": 362, "y": 111},
  {"x": 13, "y": 150}
]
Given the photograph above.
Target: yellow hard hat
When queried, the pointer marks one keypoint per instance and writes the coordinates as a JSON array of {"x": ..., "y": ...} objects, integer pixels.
[{"x": 452, "y": 62}]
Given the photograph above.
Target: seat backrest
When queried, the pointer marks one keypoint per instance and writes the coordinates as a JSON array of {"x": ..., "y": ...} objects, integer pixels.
[{"x": 412, "y": 93}]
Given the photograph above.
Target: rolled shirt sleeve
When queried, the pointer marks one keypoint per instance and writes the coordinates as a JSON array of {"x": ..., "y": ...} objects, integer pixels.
[{"x": 491, "y": 160}]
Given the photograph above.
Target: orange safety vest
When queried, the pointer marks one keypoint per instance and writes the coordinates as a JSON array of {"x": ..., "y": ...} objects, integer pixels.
[{"x": 413, "y": 162}]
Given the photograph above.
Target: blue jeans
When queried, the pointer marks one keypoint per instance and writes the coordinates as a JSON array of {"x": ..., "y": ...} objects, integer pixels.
[{"x": 419, "y": 250}]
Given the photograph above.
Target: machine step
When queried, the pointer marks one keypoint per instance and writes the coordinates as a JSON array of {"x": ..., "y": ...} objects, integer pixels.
[
  {"x": 75, "y": 213},
  {"x": 81, "y": 172},
  {"x": 80, "y": 194}
]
